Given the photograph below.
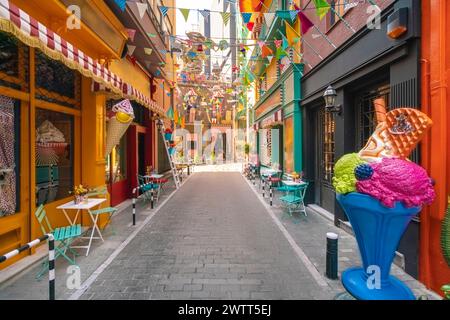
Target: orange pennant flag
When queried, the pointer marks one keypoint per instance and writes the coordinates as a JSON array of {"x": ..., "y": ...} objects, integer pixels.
[
  {"x": 291, "y": 35},
  {"x": 266, "y": 51}
]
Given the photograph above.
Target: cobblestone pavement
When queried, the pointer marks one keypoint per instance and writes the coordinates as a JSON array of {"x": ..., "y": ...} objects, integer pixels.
[{"x": 213, "y": 240}]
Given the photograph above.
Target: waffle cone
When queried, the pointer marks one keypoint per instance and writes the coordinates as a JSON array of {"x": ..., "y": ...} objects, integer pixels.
[
  {"x": 391, "y": 139},
  {"x": 114, "y": 132}
]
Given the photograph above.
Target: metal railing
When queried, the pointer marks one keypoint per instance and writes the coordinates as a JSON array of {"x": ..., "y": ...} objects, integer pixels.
[{"x": 51, "y": 259}]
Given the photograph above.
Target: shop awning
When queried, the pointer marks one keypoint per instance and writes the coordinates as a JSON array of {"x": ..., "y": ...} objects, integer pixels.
[
  {"x": 34, "y": 34},
  {"x": 129, "y": 91},
  {"x": 275, "y": 118}
]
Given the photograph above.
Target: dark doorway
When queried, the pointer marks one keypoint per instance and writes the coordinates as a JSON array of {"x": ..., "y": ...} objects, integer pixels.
[{"x": 141, "y": 153}]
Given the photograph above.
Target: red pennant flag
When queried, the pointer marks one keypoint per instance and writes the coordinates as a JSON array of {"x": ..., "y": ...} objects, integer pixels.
[
  {"x": 278, "y": 43},
  {"x": 305, "y": 23},
  {"x": 250, "y": 26},
  {"x": 131, "y": 33}
]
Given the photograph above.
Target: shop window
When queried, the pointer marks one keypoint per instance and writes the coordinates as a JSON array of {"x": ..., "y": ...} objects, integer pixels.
[
  {"x": 116, "y": 163},
  {"x": 9, "y": 156},
  {"x": 57, "y": 83},
  {"x": 54, "y": 155},
  {"x": 13, "y": 63},
  {"x": 265, "y": 147}
]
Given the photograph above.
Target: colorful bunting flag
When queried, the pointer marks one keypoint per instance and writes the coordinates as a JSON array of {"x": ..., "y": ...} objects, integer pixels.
[
  {"x": 170, "y": 114},
  {"x": 142, "y": 8},
  {"x": 305, "y": 23},
  {"x": 246, "y": 16},
  {"x": 205, "y": 13},
  {"x": 268, "y": 17},
  {"x": 151, "y": 35},
  {"x": 285, "y": 43},
  {"x": 322, "y": 7},
  {"x": 293, "y": 14},
  {"x": 277, "y": 43},
  {"x": 163, "y": 10},
  {"x": 291, "y": 34},
  {"x": 270, "y": 58},
  {"x": 148, "y": 51},
  {"x": 122, "y": 4},
  {"x": 261, "y": 44},
  {"x": 266, "y": 52},
  {"x": 250, "y": 26},
  {"x": 280, "y": 53},
  {"x": 225, "y": 17},
  {"x": 131, "y": 34},
  {"x": 185, "y": 13},
  {"x": 131, "y": 49}
]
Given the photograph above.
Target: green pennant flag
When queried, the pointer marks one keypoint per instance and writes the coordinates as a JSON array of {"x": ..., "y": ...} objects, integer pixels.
[
  {"x": 151, "y": 35},
  {"x": 226, "y": 17},
  {"x": 185, "y": 13},
  {"x": 280, "y": 53},
  {"x": 322, "y": 7},
  {"x": 169, "y": 113}
]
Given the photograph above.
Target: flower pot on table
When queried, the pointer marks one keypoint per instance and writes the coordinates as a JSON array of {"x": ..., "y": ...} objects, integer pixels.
[{"x": 378, "y": 231}]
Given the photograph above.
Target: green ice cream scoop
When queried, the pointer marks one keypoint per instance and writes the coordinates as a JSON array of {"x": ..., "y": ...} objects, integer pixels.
[{"x": 344, "y": 180}]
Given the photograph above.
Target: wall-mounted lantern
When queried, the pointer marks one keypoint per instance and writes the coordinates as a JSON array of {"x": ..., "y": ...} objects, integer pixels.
[{"x": 330, "y": 101}]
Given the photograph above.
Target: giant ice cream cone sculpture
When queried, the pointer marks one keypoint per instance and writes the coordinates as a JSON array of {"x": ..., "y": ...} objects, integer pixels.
[
  {"x": 121, "y": 117},
  {"x": 380, "y": 192}
]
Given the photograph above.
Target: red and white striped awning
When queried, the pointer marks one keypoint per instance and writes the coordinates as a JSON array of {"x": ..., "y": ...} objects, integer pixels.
[
  {"x": 274, "y": 119},
  {"x": 129, "y": 91},
  {"x": 35, "y": 34}
]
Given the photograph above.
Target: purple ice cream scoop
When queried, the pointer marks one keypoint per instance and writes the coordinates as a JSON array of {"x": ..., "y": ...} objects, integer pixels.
[{"x": 398, "y": 180}]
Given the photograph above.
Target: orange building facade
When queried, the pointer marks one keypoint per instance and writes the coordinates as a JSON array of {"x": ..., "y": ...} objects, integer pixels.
[
  {"x": 45, "y": 96},
  {"x": 435, "y": 60}
]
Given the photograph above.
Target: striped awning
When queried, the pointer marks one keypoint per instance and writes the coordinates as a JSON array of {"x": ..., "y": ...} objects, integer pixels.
[
  {"x": 34, "y": 34},
  {"x": 129, "y": 91},
  {"x": 274, "y": 119}
]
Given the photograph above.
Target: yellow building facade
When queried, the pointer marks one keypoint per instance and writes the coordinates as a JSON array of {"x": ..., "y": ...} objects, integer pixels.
[{"x": 49, "y": 101}]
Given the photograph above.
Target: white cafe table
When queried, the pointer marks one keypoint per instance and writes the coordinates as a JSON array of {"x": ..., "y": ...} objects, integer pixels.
[
  {"x": 86, "y": 205},
  {"x": 293, "y": 183}
]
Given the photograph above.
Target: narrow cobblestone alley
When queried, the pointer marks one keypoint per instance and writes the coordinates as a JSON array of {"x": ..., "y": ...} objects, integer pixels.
[{"x": 214, "y": 239}]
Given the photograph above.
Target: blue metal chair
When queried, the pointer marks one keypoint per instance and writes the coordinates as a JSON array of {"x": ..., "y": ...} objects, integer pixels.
[
  {"x": 110, "y": 211},
  {"x": 294, "y": 199},
  {"x": 147, "y": 189}
]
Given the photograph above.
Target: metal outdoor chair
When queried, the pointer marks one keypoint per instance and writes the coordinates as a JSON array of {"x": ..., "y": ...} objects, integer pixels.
[
  {"x": 293, "y": 201},
  {"x": 148, "y": 187},
  {"x": 63, "y": 235},
  {"x": 103, "y": 193}
]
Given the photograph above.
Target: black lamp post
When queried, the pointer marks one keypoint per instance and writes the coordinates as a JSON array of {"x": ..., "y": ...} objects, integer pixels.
[{"x": 330, "y": 101}]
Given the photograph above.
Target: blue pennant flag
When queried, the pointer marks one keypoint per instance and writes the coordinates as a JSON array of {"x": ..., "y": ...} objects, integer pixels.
[
  {"x": 122, "y": 4},
  {"x": 246, "y": 16},
  {"x": 163, "y": 10},
  {"x": 163, "y": 51}
]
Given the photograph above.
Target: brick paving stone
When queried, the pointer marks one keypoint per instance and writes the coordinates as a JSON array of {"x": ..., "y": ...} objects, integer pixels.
[{"x": 213, "y": 240}]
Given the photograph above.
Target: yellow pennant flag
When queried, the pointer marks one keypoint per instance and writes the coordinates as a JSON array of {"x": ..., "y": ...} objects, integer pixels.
[{"x": 291, "y": 35}]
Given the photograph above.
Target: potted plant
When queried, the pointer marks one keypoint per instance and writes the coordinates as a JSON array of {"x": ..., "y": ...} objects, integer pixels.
[
  {"x": 247, "y": 150},
  {"x": 80, "y": 194},
  {"x": 168, "y": 134}
]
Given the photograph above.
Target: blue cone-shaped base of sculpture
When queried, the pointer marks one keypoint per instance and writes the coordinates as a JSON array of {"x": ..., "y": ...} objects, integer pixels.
[
  {"x": 355, "y": 282},
  {"x": 378, "y": 231}
]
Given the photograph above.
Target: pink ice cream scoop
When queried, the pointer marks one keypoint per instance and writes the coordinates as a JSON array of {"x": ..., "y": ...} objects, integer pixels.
[{"x": 393, "y": 180}]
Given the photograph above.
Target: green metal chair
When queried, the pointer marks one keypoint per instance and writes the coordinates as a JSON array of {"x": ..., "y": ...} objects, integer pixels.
[
  {"x": 147, "y": 188},
  {"x": 294, "y": 199},
  {"x": 63, "y": 235},
  {"x": 102, "y": 192}
]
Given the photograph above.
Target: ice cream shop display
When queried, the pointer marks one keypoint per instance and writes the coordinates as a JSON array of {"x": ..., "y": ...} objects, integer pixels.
[
  {"x": 119, "y": 119},
  {"x": 381, "y": 190}
]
